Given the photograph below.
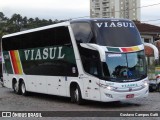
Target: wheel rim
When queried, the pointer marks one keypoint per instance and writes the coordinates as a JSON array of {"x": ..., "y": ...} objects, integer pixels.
[
  {"x": 23, "y": 88},
  {"x": 76, "y": 95},
  {"x": 16, "y": 87}
]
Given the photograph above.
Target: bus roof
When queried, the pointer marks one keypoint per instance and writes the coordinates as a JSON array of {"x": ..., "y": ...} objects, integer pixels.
[
  {"x": 99, "y": 19},
  {"x": 63, "y": 24},
  {"x": 37, "y": 29}
]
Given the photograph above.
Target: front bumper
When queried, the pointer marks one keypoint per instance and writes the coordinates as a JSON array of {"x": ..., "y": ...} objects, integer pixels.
[{"x": 108, "y": 96}]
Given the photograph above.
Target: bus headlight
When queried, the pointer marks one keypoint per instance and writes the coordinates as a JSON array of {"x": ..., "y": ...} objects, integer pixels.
[
  {"x": 109, "y": 88},
  {"x": 145, "y": 83}
]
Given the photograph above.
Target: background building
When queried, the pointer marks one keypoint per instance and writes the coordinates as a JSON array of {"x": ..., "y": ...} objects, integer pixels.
[{"x": 115, "y": 9}]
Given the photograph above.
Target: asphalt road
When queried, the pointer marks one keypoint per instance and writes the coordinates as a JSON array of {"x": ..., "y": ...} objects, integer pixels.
[{"x": 9, "y": 101}]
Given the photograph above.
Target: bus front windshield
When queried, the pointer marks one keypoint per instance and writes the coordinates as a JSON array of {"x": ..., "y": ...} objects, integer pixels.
[{"x": 125, "y": 66}]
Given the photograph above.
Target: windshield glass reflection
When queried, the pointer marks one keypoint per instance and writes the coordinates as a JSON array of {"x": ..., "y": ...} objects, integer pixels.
[{"x": 125, "y": 66}]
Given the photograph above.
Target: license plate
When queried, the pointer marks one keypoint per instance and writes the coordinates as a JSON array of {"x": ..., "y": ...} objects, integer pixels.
[{"x": 130, "y": 96}]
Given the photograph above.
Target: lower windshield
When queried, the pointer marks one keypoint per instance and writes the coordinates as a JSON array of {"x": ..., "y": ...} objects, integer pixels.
[{"x": 125, "y": 66}]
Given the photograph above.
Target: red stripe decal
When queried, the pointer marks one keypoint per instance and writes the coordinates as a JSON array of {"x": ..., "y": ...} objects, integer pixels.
[
  {"x": 13, "y": 58},
  {"x": 124, "y": 49},
  {"x": 127, "y": 49}
]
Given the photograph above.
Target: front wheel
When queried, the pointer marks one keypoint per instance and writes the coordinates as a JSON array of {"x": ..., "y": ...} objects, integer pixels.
[
  {"x": 158, "y": 87},
  {"x": 23, "y": 89},
  {"x": 2, "y": 83},
  {"x": 76, "y": 96}
]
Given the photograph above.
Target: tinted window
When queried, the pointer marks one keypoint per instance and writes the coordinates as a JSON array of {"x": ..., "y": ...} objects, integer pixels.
[
  {"x": 90, "y": 58},
  {"x": 49, "y": 37},
  {"x": 117, "y": 33},
  {"x": 82, "y": 32},
  {"x": 46, "y": 52},
  {"x": 91, "y": 61},
  {"x": 121, "y": 67}
]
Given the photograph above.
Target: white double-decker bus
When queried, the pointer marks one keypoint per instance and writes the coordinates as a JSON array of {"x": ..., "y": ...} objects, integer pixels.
[{"x": 86, "y": 59}]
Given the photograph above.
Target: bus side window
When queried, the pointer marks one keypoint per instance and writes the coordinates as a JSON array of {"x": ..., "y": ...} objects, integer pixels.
[
  {"x": 90, "y": 58},
  {"x": 58, "y": 37},
  {"x": 82, "y": 32},
  {"x": 91, "y": 61}
]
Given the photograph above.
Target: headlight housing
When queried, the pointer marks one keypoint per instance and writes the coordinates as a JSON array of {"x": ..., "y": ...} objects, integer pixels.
[{"x": 146, "y": 83}]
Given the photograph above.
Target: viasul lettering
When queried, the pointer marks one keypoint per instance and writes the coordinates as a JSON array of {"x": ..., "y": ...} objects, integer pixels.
[
  {"x": 129, "y": 85},
  {"x": 44, "y": 53},
  {"x": 115, "y": 24}
]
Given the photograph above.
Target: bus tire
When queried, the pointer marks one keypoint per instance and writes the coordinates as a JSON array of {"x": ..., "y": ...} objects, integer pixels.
[
  {"x": 23, "y": 88},
  {"x": 16, "y": 87},
  {"x": 1, "y": 81},
  {"x": 76, "y": 96},
  {"x": 158, "y": 87},
  {"x": 2, "y": 84}
]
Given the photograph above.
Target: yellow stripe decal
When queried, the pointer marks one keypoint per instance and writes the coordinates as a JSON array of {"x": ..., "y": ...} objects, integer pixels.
[{"x": 18, "y": 62}]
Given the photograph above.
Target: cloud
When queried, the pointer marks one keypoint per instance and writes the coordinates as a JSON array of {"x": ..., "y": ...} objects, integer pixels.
[
  {"x": 150, "y": 10},
  {"x": 64, "y": 9},
  {"x": 58, "y": 9}
]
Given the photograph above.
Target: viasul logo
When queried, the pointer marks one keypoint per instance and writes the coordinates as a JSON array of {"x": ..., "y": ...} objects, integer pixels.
[
  {"x": 129, "y": 85},
  {"x": 44, "y": 53},
  {"x": 115, "y": 24}
]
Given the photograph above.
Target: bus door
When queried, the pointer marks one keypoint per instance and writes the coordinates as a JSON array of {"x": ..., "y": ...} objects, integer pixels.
[
  {"x": 62, "y": 85},
  {"x": 91, "y": 88},
  {"x": 91, "y": 65},
  {"x": 52, "y": 85}
]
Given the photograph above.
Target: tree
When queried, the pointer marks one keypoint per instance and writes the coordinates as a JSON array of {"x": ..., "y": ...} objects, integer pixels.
[
  {"x": 3, "y": 21},
  {"x": 18, "y": 23},
  {"x": 1, "y": 16},
  {"x": 16, "y": 19},
  {"x": 31, "y": 20},
  {"x": 24, "y": 23},
  {"x": 50, "y": 21}
]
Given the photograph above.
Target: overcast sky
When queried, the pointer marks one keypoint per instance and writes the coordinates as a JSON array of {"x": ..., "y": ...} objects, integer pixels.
[{"x": 65, "y": 9}]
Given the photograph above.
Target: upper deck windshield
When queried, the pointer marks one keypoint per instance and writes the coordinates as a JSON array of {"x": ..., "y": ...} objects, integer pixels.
[
  {"x": 116, "y": 33},
  {"x": 107, "y": 32}
]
